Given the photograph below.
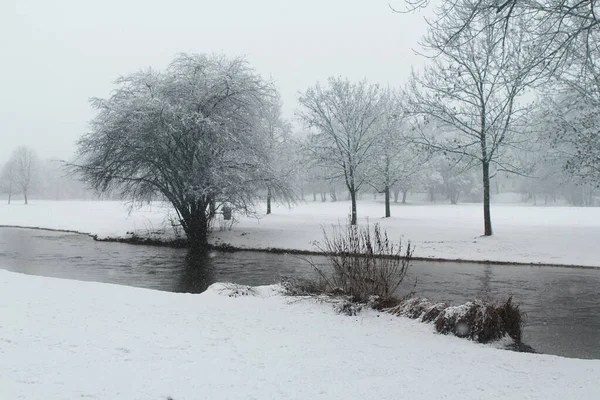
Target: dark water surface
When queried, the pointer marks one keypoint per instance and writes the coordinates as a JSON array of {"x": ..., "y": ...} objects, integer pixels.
[{"x": 562, "y": 304}]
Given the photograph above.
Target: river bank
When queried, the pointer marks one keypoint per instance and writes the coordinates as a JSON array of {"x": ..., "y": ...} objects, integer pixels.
[
  {"x": 123, "y": 342},
  {"x": 523, "y": 234}
]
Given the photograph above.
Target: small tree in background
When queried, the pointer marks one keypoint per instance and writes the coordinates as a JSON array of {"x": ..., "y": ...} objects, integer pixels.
[
  {"x": 573, "y": 122},
  {"x": 7, "y": 179},
  {"x": 280, "y": 146},
  {"x": 395, "y": 160},
  {"x": 344, "y": 115},
  {"x": 19, "y": 174}
]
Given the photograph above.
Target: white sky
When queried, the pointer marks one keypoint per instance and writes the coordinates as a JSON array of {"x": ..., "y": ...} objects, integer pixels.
[{"x": 55, "y": 55}]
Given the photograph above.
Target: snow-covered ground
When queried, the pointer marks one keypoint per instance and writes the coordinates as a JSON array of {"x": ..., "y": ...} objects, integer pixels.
[
  {"x": 63, "y": 339},
  {"x": 522, "y": 233}
]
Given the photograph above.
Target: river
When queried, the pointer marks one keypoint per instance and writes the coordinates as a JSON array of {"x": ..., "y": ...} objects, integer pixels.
[{"x": 563, "y": 313}]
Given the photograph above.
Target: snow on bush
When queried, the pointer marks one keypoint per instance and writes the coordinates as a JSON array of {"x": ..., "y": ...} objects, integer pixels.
[
  {"x": 474, "y": 320},
  {"x": 235, "y": 290}
]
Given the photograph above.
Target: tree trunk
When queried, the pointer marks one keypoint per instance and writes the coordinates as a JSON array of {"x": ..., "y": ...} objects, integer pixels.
[
  {"x": 213, "y": 208},
  {"x": 25, "y": 196},
  {"x": 388, "y": 212},
  {"x": 396, "y": 194},
  {"x": 353, "y": 214},
  {"x": 9, "y": 196},
  {"x": 198, "y": 233},
  {"x": 268, "y": 200},
  {"x": 487, "y": 217},
  {"x": 497, "y": 184},
  {"x": 314, "y": 196},
  {"x": 404, "y": 194},
  {"x": 195, "y": 224},
  {"x": 453, "y": 195}
]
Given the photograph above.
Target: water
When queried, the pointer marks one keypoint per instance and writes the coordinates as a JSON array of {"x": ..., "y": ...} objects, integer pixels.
[{"x": 561, "y": 303}]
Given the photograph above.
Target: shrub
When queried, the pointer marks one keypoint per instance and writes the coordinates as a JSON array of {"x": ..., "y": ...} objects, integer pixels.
[
  {"x": 303, "y": 286},
  {"x": 418, "y": 308},
  {"x": 513, "y": 318},
  {"x": 364, "y": 262},
  {"x": 474, "y": 320},
  {"x": 347, "y": 308},
  {"x": 236, "y": 290}
]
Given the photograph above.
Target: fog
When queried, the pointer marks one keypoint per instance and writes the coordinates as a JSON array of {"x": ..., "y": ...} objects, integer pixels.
[{"x": 56, "y": 55}]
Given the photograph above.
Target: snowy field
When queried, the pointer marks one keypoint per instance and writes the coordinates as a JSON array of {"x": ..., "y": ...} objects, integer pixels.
[
  {"x": 522, "y": 233},
  {"x": 63, "y": 339}
]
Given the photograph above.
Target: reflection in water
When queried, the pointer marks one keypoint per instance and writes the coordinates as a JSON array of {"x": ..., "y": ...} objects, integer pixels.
[
  {"x": 561, "y": 303},
  {"x": 197, "y": 274},
  {"x": 486, "y": 290}
]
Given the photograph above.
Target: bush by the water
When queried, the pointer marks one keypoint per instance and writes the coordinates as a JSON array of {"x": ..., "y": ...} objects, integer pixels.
[
  {"x": 367, "y": 270},
  {"x": 474, "y": 320},
  {"x": 303, "y": 286},
  {"x": 364, "y": 261}
]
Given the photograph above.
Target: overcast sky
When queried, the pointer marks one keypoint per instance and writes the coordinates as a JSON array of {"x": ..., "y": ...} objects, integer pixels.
[{"x": 57, "y": 54}]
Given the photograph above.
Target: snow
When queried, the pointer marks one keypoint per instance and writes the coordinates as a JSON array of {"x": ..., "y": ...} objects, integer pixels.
[
  {"x": 522, "y": 233},
  {"x": 62, "y": 339}
]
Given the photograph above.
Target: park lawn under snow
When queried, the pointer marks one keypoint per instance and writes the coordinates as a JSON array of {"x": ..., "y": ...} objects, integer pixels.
[
  {"x": 62, "y": 339},
  {"x": 522, "y": 233}
]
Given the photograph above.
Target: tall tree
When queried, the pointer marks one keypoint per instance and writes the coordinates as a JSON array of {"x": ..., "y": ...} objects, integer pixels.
[
  {"x": 344, "y": 115},
  {"x": 469, "y": 97},
  {"x": 565, "y": 33},
  {"x": 191, "y": 134}
]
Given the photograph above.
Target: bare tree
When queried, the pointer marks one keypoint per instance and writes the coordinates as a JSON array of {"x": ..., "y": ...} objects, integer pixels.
[
  {"x": 20, "y": 171},
  {"x": 280, "y": 145},
  {"x": 395, "y": 159},
  {"x": 468, "y": 99},
  {"x": 566, "y": 33},
  {"x": 7, "y": 179},
  {"x": 191, "y": 135},
  {"x": 344, "y": 115},
  {"x": 571, "y": 124}
]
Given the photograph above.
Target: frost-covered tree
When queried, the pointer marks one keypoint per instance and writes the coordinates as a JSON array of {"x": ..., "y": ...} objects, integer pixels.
[
  {"x": 7, "y": 179},
  {"x": 56, "y": 183},
  {"x": 280, "y": 146},
  {"x": 343, "y": 115},
  {"x": 565, "y": 33},
  {"x": 20, "y": 172},
  {"x": 571, "y": 123},
  {"x": 191, "y": 134},
  {"x": 457, "y": 177},
  {"x": 471, "y": 94},
  {"x": 395, "y": 160}
]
